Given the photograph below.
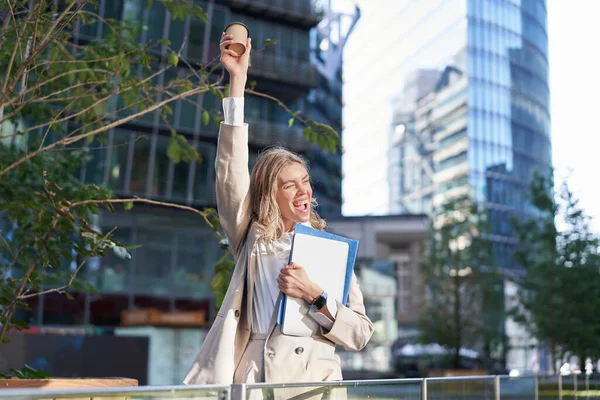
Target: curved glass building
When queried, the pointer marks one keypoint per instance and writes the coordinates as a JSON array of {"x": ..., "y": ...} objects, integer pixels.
[
  {"x": 508, "y": 107},
  {"x": 456, "y": 104}
]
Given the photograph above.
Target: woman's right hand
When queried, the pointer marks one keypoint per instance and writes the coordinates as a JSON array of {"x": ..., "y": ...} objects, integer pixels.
[{"x": 237, "y": 66}]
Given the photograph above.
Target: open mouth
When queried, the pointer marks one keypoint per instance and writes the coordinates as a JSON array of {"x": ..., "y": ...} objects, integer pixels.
[{"x": 301, "y": 206}]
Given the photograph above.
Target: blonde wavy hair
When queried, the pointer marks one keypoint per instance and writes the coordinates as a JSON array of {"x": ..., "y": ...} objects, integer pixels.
[{"x": 264, "y": 209}]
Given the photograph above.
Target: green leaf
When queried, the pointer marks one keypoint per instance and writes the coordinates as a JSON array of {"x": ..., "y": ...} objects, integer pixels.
[
  {"x": 269, "y": 42},
  {"x": 200, "y": 13},
  {"x": 20, "y": 325},
  {"x": 291, "y": 122},
  {"x": 216, "y": 92},
  {"x": 179, "y": 149},
  {"x": 205, "y": 117},
  {"x": 172, "y": 59},
  {"x": 252, "y": 85},
  {"x": 128, "y": 205},
  {"x": 121, "y": 252}
]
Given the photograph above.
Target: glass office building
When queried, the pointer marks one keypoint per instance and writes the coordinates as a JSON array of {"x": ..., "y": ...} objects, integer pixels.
[
  {"x": 174, "y": 267},
  {"x": 443, "y": 99}
]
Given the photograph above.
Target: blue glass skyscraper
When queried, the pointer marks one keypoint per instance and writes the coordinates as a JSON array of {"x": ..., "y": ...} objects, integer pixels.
[
  {"x": 509, "y": 107},
  {"x": 457, "y": 104}
]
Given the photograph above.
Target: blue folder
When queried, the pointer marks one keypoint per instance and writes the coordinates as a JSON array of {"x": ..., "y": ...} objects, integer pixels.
[{"x": 352, "y": 250}]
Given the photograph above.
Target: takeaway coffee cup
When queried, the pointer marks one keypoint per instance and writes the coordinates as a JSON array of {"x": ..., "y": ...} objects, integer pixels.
[{"x": 240, "y": 33}]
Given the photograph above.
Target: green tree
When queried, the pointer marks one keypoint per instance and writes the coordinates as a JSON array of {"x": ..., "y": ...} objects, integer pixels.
[
  {"x": 463, "y": 304},
  {"x": 59, "y": 96},
  {"x": 559, "y": 293}
]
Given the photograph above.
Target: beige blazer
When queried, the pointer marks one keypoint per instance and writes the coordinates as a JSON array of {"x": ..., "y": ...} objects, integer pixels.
[{"x": 287, "y": 358}]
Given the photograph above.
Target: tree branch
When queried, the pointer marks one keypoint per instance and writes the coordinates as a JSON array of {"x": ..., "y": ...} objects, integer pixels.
[
  {"x": 279, "y": 102},
  {"x": 146, "y": 201},
  {"x": 45, "y": 42},
  {"x": 73, "y": 276},
  {"x": 37, "y": 87},
  {"x": 54, "y": 121},
  {"x": 11, "y": 308},
  {"x": 68, "y": 140},
  {"x": 15, "y": 258}
]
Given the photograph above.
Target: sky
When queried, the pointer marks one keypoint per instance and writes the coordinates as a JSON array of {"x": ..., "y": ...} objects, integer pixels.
[{"x": 573, "y": 33}]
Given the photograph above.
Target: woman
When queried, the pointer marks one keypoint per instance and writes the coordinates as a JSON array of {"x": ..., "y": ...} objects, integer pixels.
[{"x": 258, "y": 214}]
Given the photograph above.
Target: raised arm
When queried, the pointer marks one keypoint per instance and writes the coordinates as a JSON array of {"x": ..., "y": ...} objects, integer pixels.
[{"x": 231, "y": 163}]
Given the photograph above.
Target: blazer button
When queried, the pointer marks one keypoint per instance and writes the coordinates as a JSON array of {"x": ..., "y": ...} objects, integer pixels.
[
  {"x": 237, "y": 313},
  {"x": 299, "y": 350}
]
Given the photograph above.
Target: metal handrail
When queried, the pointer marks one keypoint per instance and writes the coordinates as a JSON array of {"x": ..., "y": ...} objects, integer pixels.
[
  {"x": 366, "y": 382},
  {"x": 238, "y": 391},
  {"x": 114, "y": 392}
]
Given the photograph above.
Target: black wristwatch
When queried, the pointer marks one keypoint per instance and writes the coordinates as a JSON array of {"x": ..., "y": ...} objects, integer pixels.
[{"x": 319, "y": 302}]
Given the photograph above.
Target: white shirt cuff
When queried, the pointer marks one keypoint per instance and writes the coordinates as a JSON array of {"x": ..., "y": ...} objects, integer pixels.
[
  {"x": 321, "y": 318},
  {"x": 233, "y": 111}
]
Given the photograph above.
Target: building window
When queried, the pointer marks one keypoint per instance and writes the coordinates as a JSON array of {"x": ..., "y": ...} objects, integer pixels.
[
  {"x": 216, "y": 29},
  {"x": 139, "y": 169},
  {"x": 303, "y": 46},
  {"x": 117, "y": 167},
  {"x": 196, "y": 38},
  {"x": 155, "y": 24},
  {"x": 134, "y": 11},
  {"x": 160, "y": 177},
  {"x": 112, "y": 273},
  {"x": 113, "y": 9},
  {"x": 194, "y": 268},
  {"x": 181, "y": 175},
  {"x": 204, "y": 174},
  {"x": 153, "y": 260},
  {"x": 94, "y": 170},
  {"x": 188, "y": 110},
  {"x": 89, "y": 29}
]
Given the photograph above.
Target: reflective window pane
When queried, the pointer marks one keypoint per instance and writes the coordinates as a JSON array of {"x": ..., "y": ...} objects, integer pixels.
[
  {"x": 196, "y": 259},
  {"x": 196, "y": 39},
  {"x": 117, "y": 167},
  {"x": 141, "y": 159},
  {"x": 153, "y": 261},
  {"x": 156, "y": 21},
  {"x": 94, "y": 170},
  {"x": 160, "y": 177},
  {"x": 187, "y": 114},
  {"x": 216, "y": 29},
  {"x": 181, "y": 175},
  {"x": 112, "y": 273},
  {"x": 204, "y": 174}
]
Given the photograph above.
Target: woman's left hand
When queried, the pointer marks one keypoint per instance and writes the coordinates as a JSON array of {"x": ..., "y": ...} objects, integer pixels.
[{"x": 294, "y": 281}]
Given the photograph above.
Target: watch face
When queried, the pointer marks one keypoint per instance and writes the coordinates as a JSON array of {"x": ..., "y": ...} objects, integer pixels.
[{"x": 320, "y": 301}]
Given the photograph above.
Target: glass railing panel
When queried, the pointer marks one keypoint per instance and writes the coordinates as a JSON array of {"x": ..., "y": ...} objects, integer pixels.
[
  {"x": 517, "y": 388},
  {"x": 406, "y": 389},
  {"x": 588, "y": 386},
  {"x": 480, "y": 388},
  {"x": 548, "y": 387}
]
